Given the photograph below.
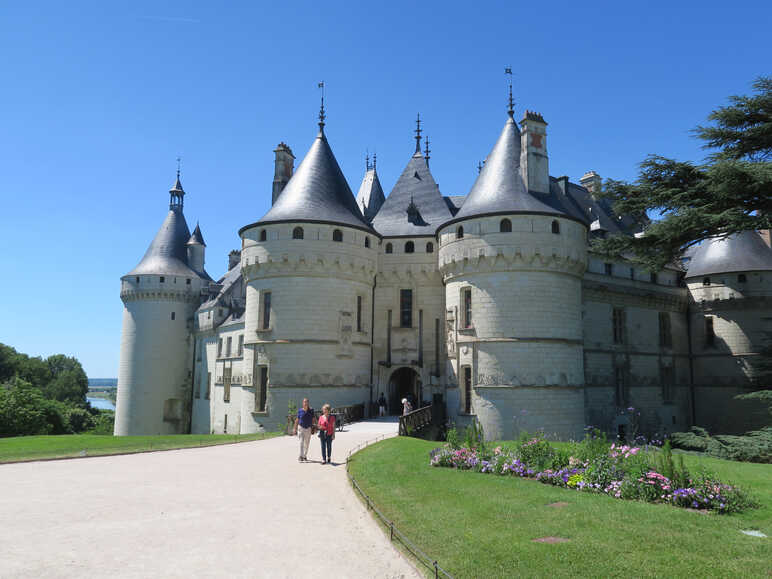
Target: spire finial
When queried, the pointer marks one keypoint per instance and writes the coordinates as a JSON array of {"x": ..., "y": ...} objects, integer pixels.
[
  {"x": 322, "y": 116},
  {"x": 375, "y": 158},
  {"x": 511, "y": 108},
  {"x": 367, "y": 161},
  {"x": 418, "y": 133},
  {"x": 479, "y": 167},
  {"x": 178, "y": 168},
  {"x": 427, "y": 150}
]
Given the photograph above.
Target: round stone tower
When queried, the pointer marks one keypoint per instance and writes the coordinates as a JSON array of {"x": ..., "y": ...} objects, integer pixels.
[
  {"x": 159, "y": 297},
  {"x": 512, "y": 259},
  {"x": 730, "y": 283},
  {"x": 309, "y": 266}
]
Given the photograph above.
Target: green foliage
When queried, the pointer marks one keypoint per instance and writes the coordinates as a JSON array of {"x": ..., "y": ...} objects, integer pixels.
[
  {"x": 663, "y": 463},
  {"x": 731, "y": 193},
  {"x": 594, "y": 445},
  {"x": 104, "y": 423},
  {"x": 763, "y": 396},
  {"x": 452, "y": 438},
  {"x": 21, "y": 409},
  {"x": 474, "y": 436},
  {"x": 753, "y": 446},
  {"x": 534, "y": 450}
]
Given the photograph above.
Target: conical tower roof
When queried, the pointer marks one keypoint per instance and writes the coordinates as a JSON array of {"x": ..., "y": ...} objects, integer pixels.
[
  {"x": 167, "y": 254},
  {"x": 370, "y": 196},
  {"x": 499, "y": 187},
  {"x": 317, "y": 192},
  {"x": 196, "y": 238},
  {"x": 415, "y": 205},
  {"x": 744, "y": 251}
]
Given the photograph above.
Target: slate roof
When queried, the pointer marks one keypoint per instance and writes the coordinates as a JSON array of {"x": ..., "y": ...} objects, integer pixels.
[
  {"x": 317, "y": 192},
  {"x": 196, "y": 238},
  {"x": 167, "y": 254},
  {"x": 429, "y": 210},
  {"x": 499, "y": 187},
  {"x": 744, "y": 251},
  {"x": 370, "y": 197}
]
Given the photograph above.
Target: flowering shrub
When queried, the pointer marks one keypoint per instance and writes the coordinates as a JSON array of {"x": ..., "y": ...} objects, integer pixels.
[{"x": 621, "y": 471}]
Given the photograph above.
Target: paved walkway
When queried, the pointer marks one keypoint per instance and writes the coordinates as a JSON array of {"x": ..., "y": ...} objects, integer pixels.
[{"x": 242, "y": 510}]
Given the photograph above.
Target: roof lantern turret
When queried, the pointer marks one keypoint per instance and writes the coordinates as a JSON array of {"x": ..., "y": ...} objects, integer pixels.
[{"x": 176, "y": 193}]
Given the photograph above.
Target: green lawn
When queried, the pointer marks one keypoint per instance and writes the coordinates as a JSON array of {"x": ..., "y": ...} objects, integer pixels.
[
  {"x": 483, "y": 525},
  {"x": 70, "y": 445}
]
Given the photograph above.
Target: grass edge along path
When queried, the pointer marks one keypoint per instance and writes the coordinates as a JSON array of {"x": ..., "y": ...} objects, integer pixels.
[
  {"x": 66, "y": 446},
  {"x": 482, "y": 525},
  {"x": 408, "y": 548}
]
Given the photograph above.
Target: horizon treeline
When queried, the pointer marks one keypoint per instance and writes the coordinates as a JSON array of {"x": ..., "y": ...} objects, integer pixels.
[{"x": 46, "y": 396}]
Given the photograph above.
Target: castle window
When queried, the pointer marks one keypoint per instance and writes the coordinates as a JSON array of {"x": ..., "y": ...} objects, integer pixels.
[
  {"x": 632, "y": 273},
  {"x": 359, "y": 313},
  {"x": 337, "y": 235},
  {"x": 706, "y": 281},
  {"x": 710, "y": 334},
  {"x": 208, "y": 385},
  {"x": 367, "y": 242},
  {"x": 618, "y": 322},
  {"x": 409, "y": 247},
  {"x": 466, "y": 373},
  {"x": 241, "y": 345},
  {"x": 163, "y": 279},
  {"x": 555, "y": 227},
  {"x": 263, "y": 235},
  {"x": 266, "y": 310},
  {"x": 666, "y": 377},
  {"x": 262, "y": 388},
  {"x": 406, "y": 308},
  {"x": 187, "y": 281},
  {"x": 219, "y": 348},
  {"x": 505, "y": 226},
  {"x": 198, "y": 387},
  {"x": 459, "y": 232},
  {"x": 297, "y": 233},
  {"x": 173, "y": 314},
  {"x": 466, "y": 300},
  {"x": 228, "y": 346},
  {"x": 665, "y": 333},
  {"x": 429, "y": 247},
  {"x": 137, "y": 278},
  {"x": 741, "y": 278},
  {"x": 608, "y": 268},
  {"x": 226, "y": 384},
  {"x": 389, "y": 248},
  {"x": 653, "y": 277},
  {"x": 621, "y": 392}
]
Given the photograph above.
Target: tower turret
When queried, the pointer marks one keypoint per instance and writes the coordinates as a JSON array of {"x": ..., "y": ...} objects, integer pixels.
[
  {"x": 159, "y": 297},
  {"x": 512, "y": 260},
  {"x": 196, "y": 249}
]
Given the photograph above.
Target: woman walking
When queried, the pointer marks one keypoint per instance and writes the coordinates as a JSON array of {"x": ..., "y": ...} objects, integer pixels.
[{"x": 326, "y": 426}]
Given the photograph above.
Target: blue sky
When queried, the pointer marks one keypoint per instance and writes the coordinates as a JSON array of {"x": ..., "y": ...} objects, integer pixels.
[{"x": 99, "y": 98}]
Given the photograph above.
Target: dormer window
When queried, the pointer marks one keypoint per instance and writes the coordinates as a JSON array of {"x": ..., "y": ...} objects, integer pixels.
[
  {"x": 137, "y": 279},
  {"x": 429, "y": 247},
  {"x": 337, "y": 235},
  {"x": 367, "y": 242},
  {"x": 263, "y": 235},
  {"x": 460, "y": 232},
  {"x": 741, "y": 278},
  {"x": 389, "y": 248},
  {"x": 505, "y": 226},
  {"x": 297, "y": 233},
  {"x": 556, "y": 227},
  {"x": 163, "y": 279},
  {"x": 706, "y": 281},
  {"x": 409, "y": 247}
]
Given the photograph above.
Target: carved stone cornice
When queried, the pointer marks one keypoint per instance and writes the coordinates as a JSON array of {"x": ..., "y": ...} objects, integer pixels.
[
  {"x": 625, "y": 295},
  {"x": 310, "y": 265},
  {"x": 745, "y": 303},
  {"x": 183, "y": 296},
  {"x": 508, "y": 259}
]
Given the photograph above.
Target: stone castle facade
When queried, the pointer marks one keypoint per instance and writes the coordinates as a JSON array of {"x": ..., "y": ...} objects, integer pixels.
[{"x": 491, "y": 304}]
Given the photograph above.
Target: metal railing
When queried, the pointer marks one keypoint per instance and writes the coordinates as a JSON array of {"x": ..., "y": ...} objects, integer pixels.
[
  {"x": 394, "y": 532},
  {"x": 414, "y": 421}
]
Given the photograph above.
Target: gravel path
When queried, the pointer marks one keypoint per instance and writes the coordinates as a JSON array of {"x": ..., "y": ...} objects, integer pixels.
[{"x": 242, "y": 510}]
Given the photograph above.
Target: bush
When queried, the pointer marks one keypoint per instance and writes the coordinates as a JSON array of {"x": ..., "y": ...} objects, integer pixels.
[
  {"x": 104, "y": 423},
  {"x": 753, "y": 446},
  {"x": 534, "y": 450},
  {"x": 22, "y": 409}
]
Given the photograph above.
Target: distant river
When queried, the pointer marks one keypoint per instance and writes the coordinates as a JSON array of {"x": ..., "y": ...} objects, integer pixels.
[{"x": 101, "y": 403}]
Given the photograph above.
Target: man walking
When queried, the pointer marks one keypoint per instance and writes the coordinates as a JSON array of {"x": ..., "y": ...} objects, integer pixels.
[{"x": 305, "y": 421}]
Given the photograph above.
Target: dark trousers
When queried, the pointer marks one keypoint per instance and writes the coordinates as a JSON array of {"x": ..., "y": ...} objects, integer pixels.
[{"x": 326, "y": 445}]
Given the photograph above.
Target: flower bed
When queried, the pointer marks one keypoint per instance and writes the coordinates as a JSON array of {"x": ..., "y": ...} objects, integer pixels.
[{"x": 619, "y": 471}]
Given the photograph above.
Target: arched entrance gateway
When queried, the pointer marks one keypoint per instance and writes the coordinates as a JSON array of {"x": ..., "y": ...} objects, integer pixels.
[{"x": 404, "y": 383}]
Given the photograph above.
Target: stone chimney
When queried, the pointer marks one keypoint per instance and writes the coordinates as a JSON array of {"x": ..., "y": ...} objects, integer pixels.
[
  {"x": 283, "y": 166},
  {"x": 592, "y": 182},
  {"x": 234, "y": 258},
  {"x": 534, "y": 162}
]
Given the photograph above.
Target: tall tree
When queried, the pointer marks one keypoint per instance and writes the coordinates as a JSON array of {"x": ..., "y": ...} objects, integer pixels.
[{"x": 729, "y": 193}]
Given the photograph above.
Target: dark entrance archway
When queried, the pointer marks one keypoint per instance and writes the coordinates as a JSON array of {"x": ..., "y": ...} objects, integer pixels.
[{"x": 404, "y": 383}]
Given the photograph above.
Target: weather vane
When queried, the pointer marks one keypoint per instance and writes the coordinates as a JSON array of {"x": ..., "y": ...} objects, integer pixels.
[
  {"x": 511, "y": 109},
  {"x": 418, "y": 133},
  {"x": 322, "y": 116}
]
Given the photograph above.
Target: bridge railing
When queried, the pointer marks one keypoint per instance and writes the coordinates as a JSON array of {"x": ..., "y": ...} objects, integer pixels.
[{"x": 414, "y": 421}]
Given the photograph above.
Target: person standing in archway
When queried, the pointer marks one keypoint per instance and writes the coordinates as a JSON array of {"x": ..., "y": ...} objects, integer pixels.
[
  {"x": 304, "y": 423},
  {"x": 406, "y": 406},
  {"x": 382, "y": 405}
]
